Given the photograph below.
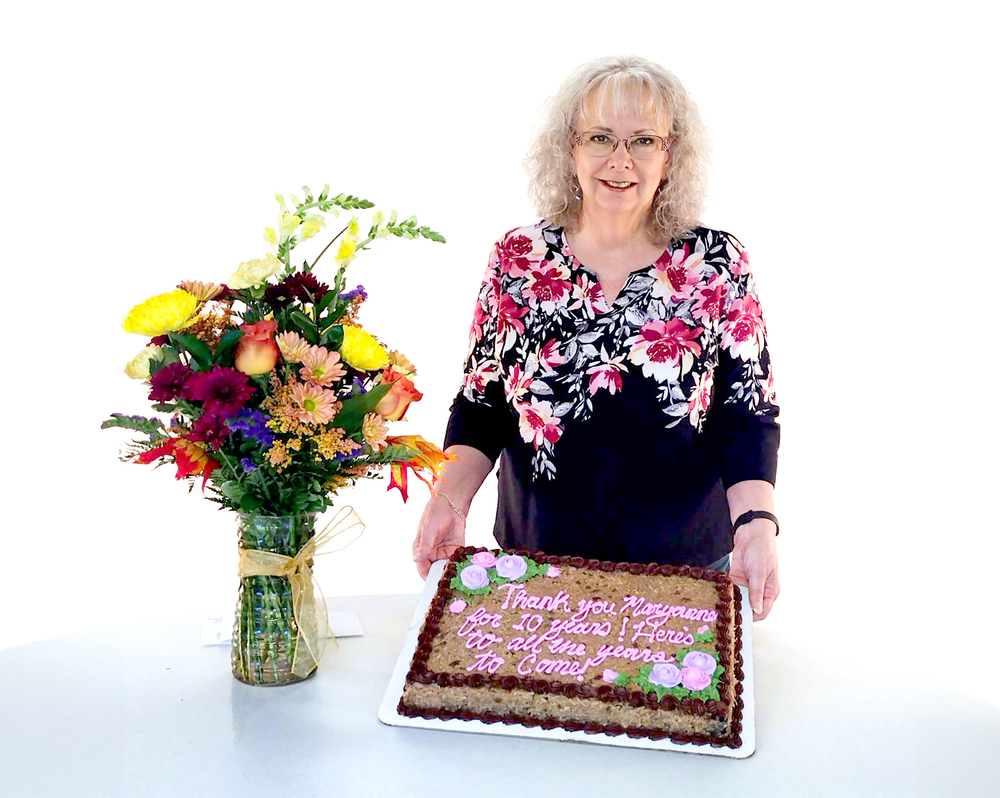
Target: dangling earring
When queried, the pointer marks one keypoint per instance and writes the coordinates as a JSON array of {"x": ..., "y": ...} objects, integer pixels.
[{"x": 578, "y": 192}]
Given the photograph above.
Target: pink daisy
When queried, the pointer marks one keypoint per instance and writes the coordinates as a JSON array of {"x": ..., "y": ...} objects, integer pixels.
[
  {"x": 322, "y": 367},
  {"x": 312, "y": 404}
]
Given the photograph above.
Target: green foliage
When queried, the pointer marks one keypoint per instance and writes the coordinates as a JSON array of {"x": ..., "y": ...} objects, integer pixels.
[
  {"x": 150, "y": 426},
  {"x": 353, "y": 413},
  {"x": 224, "y": 351},
  {"x": 622, "y": 680},
  {"x": 397, "y": 453},
  {"x": 201, "y": 354}
]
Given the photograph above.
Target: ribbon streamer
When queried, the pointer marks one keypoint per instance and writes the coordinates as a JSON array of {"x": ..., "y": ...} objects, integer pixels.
[{"x": 310, "y": 613}]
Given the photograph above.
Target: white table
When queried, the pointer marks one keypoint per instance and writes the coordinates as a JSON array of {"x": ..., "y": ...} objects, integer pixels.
[{"x": 153, "y": 713}]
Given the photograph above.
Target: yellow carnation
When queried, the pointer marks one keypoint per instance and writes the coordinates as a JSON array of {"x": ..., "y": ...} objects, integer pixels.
[
  {"x": 138, "y": 367},
  {"x": 360, "y": 350},
  {"x": 252, "y": 273},
  {"x": 161, "y": 314}
]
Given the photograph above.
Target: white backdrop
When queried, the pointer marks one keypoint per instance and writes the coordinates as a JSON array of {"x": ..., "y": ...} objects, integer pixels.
[{"x": 854, "y": 157}]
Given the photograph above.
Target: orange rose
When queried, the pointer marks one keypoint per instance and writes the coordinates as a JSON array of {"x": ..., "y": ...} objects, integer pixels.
[
  {"x": 393, "y": 405},
  {"x": 256, "y": 352}
]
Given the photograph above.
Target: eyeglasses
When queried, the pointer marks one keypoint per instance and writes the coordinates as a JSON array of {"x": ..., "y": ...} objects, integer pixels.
[{"x": 641, "y": 147}]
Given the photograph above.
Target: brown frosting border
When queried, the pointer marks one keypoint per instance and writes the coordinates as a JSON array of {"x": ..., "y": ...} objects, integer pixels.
[{"x": 718, "y": 710}]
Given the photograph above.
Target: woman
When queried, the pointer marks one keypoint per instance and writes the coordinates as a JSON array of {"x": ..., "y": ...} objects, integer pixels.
[{"x": 618, "y": 365}]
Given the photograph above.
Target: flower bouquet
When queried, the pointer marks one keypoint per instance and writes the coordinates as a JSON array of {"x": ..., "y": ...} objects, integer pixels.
[{"x": 277, "y": 398}]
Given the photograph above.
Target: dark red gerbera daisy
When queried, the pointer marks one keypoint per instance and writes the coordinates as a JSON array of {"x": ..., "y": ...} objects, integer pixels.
[
  {"x": 170, "y": 383},
  {"x": 222, "y": 390}
]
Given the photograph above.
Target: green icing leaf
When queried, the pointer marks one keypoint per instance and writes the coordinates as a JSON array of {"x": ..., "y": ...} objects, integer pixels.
[
  {"x": 622, "y": 680},
  {"x": 457, "y": 584}
]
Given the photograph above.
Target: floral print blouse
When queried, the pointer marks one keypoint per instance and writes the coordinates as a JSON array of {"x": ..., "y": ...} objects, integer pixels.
[{"x": 621, "y": 424}]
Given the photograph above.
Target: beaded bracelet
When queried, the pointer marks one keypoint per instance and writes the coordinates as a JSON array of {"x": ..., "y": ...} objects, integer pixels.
[
  {"x": 454, "y": 506},
  {"x": 750, "y": 515}
]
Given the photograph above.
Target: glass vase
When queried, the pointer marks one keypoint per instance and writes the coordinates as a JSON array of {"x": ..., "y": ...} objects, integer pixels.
[{"x": 265, "y": 634}]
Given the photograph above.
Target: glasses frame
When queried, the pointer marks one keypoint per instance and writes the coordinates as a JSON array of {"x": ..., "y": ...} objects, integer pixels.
[{"x": 578, "y": 140}]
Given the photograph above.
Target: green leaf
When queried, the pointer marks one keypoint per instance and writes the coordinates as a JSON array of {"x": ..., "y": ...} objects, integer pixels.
[
  {"x": 328, "y": 299},
  {"x": 333, "y": 336},
  {"x": 426, "y": 232},
  {"x": 198, "y": 350},
  {"x": 150, "y": 426},
  {"x": 170, "y": 355},
  {"x": 622, "y": 680},
  {"x": 305, "y": 325},
  {"x": 352, "y": 414},
  {"x": 226, "y": 345},
  {"x": 457, "y": 584}
]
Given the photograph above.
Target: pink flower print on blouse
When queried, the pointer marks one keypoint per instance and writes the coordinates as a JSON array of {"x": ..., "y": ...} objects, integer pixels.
[
  {"x": 606, "y": 374},
  {"x": 537, "y": 424},
  {"x": 480, "y": 375},
  {"x": 547, "y": 287},
  {"x": 516, "y": 384},
  {"x": 665, "y": 349},
  {"x": 743, "y": 329},
  {"x": 739, "y": 261},
  {"x": 676, "y": 274},
  {"x": 587, "y": 294},
  {"x": 479, "y": 317},
  {"x": 709, "y": 300},
  {"x": 769, "y": 393},
  {"x": 701, "y": 397},
  {"x": 549, "y": 357},
  {"x": 517, "y": 255},
  {"x": 509, "y": 315}
]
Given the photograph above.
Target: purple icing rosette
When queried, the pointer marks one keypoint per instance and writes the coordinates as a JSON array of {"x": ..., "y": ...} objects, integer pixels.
[
  {"x": 665, "y": 675},
  {"x": 701, "y": 661},
  {"x": 484, "y": 558},
  {"x": 695, "y": 679},
  {"x": 475, "y": 577},
  {"x": 512, "y": 566}
]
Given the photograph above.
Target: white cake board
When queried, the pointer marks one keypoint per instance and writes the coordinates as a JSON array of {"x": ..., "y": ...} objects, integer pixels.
[{"x": 389, "y": 714}]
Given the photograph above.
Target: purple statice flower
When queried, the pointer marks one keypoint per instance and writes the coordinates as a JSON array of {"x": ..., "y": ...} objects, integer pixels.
[
  {"x": 253, "y": 425},
  {"x": 248, "y": 465},
  {"x": 359, "y": 387},
  {"x": 357, "y": 292}
]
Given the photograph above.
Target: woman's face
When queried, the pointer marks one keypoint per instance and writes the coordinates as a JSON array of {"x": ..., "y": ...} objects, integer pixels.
[{"x": 618, "y": 184}]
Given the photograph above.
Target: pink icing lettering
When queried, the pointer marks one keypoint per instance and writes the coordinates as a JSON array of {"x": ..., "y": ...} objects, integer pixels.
[
  {"x": 587, "y": 607},
  {"x": 480, "y": 618},
  {"x": 524, "y": 669},
  {"x": 481, "y": 640},
  {"x": 518, "y": 598},
  {"x": 488, "y": 662},
  {"x": 564, "y": 667},
  {"x": 567, "y": 647}
]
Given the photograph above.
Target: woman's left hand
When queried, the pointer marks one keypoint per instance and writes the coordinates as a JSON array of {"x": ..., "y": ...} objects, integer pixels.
[{"x": 755, "y": 564}]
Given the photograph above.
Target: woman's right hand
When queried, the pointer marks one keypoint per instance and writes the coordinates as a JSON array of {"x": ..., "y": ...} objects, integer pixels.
[{"x": 439, "y": 533}]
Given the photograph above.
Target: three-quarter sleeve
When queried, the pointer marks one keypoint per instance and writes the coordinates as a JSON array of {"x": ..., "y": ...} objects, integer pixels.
[
  {"x": 480, "y": 416},
  {"x": 743, "y": 419}
]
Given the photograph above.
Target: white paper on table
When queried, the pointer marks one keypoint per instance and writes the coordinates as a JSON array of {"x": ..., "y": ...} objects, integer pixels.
[
  {"x": 389, "y": 714},
  {"x": 217, "y": 628}
]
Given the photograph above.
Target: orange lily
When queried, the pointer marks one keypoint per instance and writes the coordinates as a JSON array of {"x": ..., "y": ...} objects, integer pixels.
[
  {"x": 428, "y": 458},
  {"x": 191, "y": 458}
]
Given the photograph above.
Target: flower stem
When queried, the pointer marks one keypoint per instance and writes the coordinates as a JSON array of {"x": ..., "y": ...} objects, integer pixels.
[{"x": 327, "y": 247}]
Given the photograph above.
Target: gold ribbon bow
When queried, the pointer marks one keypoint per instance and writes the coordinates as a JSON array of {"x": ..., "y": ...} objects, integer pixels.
[{"x": 310, "y": 613}]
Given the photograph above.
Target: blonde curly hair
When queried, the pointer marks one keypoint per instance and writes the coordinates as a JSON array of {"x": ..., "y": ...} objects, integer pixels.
[{"x": 616, "y": 84}]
